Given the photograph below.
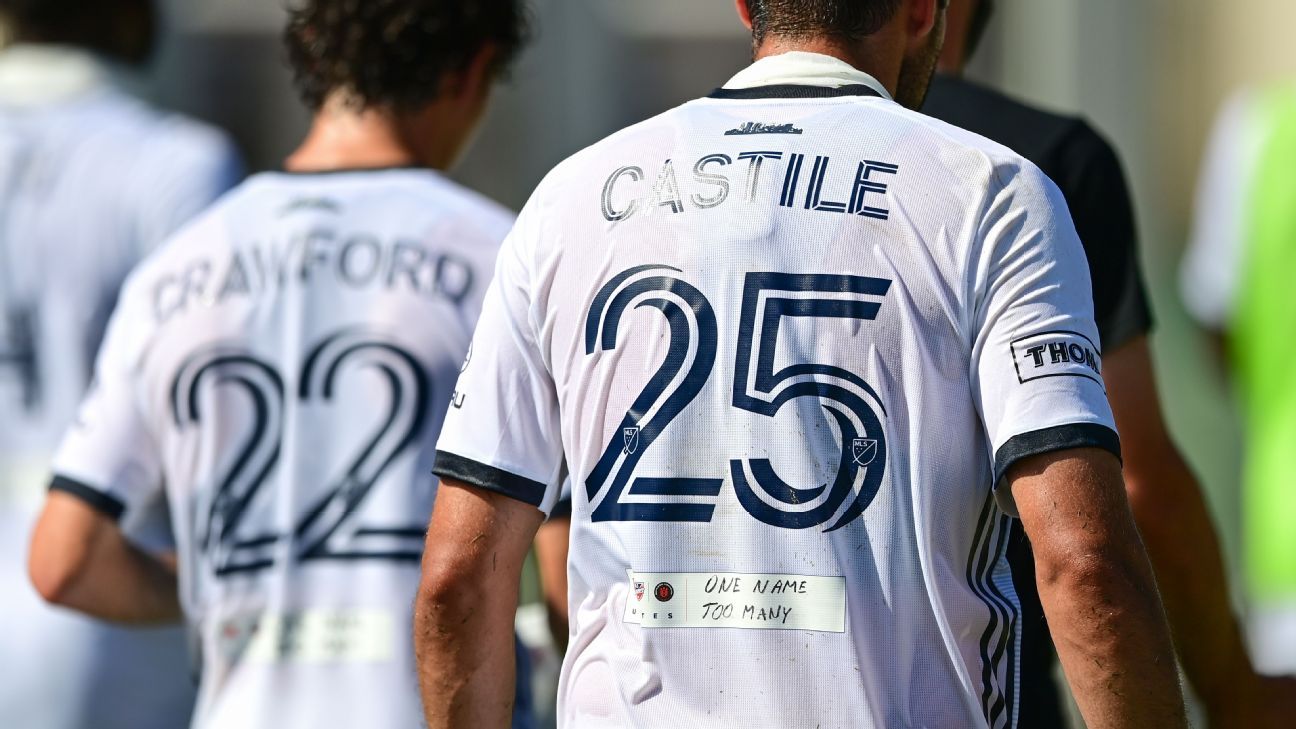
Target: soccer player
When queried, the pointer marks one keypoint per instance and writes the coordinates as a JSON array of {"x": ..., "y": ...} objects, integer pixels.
[
  {"x": 1236, "y": 282},
  {"x": 281, "y": 368},
  {"x": 1166, "y": 499},
  {"x": 91, "y": 179},
  {"x": 805, "y": 353}
]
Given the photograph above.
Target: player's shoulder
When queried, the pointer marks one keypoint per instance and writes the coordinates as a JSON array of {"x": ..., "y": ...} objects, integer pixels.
[
  {"x": 467, "y": 208},
  {"x": 939, "y": 142},
  {"x": 161, "y": 134},
  {"x": 575, "y": 170},
  {"x": 1058, "y": 143}
]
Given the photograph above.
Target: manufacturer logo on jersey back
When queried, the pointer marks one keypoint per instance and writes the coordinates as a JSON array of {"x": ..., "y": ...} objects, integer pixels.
[
  {"x": 759, "y": 128},
  {"x": 1056, "y": 354}
]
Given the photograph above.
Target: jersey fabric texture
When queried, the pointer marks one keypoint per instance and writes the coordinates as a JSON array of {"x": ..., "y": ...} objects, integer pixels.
[
  {"x": 90, "y": 181},
  {"x": 281, "y": 367},
  {"x": 1086, "y": 169},
  {"x": 785, "y": 340},
  {"x": 1236, "y": 278}
]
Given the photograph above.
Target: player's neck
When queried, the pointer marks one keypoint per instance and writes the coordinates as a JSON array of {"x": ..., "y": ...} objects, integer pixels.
[
  {"x": 342, "y": 137},
  {"x": 874, "y": 57}
]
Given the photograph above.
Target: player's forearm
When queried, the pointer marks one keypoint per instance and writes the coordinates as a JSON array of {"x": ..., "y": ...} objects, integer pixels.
[
  {"x": 463, "y": 641},
  {"x": 1107, "y": 623},
  {"x": 1185, "y": 553},
  {"x": 120, "y": 583}
]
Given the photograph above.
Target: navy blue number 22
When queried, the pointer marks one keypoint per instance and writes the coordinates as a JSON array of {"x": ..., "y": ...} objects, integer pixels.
[{"x": 757, "y": 387}]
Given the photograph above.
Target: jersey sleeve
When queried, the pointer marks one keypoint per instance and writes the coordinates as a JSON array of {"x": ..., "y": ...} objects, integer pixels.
[
  {"x": 1098, "y": 196},
  {"x": 502, "y": 432},
  {"x": 1036, "y": 365},
  {"x": 109, "y": 457}
]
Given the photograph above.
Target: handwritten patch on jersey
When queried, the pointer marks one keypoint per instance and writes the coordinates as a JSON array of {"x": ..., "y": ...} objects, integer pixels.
[
  {"x": 1056, "y": 354},
  {"x": 737, "y": 600}
]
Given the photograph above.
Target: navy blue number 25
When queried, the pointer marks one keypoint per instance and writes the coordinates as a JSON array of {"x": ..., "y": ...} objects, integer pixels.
[{"x": 768, "y": 298}]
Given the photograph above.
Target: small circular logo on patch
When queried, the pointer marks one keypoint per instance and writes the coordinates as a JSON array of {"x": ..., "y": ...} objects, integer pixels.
[{"x": 664, "y": 592}]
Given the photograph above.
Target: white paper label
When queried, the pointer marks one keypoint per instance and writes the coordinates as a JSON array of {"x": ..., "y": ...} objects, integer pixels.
[
  {"x": 314, "y": 636},
  {"x": 735, "y": 600}
]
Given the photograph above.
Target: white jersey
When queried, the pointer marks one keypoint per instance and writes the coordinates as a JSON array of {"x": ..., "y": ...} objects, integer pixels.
[
  {"x": 282, "y": 367},
  {"x": 90, "y": 181},
  {"x": 786, "y": 340}
]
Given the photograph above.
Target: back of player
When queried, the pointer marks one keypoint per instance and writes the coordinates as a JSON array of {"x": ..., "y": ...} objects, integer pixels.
[
  {"x": 795, "y": 339},
  {"x": 281, "y": 367},
  {"x": 289, "y": 357},
  {"x": 90, "y": 181}
]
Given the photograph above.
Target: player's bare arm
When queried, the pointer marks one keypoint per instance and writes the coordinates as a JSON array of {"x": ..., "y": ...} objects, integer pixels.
[
  {"x": 551, "y": 546},
  {"x": 463, "y": 616},
  {"x": 81, "y": 560},
  {"x": 1167, "y": 502},
  {"x": 1098, "y": 590}
]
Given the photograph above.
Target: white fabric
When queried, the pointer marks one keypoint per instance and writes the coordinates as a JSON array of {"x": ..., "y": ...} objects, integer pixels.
[
  {"x": 39, "y": 75},
  {"x": 313, "y": 324},
  {"x": 1272, "y": 637},
  {"x": 807, "y": 69},
  {"x": 666, "y": 309},
  {"x": 90, "y": 181},
  {"x": 1212, "y": 271}
]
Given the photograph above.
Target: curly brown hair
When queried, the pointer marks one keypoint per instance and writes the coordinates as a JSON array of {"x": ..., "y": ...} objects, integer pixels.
[{"x": 395, "y": 53}]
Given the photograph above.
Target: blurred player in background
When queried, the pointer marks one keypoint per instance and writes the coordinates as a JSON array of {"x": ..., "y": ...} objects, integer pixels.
[
  {"x": 91, "y": 179},
  {"x": 1163, "y": 491},
  {"x": 281, "y": 368},
  {"x": 1237, "y": 281},
  {"x": 803, "y": 352}
]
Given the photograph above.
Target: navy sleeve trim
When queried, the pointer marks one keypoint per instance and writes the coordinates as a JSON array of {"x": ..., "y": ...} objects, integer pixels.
[
  {"x": 449, "y": 465},
  {"x": 107, "y": 505},
  {"x": 1051, "y": 440}
]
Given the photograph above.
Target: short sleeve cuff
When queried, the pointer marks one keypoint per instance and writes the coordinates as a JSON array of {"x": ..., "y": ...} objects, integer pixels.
[
  {"x": 1051, "y": 440},
  {"x": 489, "y": 478},
  {"x": 107, "y": 505}
]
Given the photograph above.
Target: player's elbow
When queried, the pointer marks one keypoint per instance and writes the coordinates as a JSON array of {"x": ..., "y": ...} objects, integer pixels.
[
  {"x": 1091, "y": 563},
  {"x": 451, "y": 583},
  {"x": 55, "y": 573}
]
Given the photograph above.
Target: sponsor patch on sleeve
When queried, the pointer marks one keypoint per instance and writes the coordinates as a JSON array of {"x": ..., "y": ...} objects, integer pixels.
[{"x": 1056, "y": 354}]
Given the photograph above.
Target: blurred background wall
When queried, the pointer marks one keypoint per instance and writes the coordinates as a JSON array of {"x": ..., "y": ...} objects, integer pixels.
[{"x": 1150, "y": 74}]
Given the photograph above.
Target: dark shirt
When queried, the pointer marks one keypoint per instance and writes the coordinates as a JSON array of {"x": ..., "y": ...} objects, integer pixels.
[{"x": 1086, "y": 169}]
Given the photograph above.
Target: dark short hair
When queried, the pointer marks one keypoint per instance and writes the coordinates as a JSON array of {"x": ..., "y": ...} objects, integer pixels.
[
  {"x": 978, "y": 24},
  {"x": 395, "y": 53},
  {"x": 123, "y": 29},
  {"x": 850, "y": 19}
]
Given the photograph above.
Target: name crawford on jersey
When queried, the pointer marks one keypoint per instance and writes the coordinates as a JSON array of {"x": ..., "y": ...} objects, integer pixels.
[
  {"x": 817, "y": 183},
  {"x": 357, "y": 260}
]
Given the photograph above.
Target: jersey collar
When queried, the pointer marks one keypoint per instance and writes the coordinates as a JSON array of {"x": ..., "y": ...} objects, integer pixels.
[
  {"x": 800, "y": 75},
  {"x": 36, "y": 75}
]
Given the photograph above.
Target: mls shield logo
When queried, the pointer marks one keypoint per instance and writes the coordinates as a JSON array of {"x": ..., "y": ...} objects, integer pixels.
[
  {"x": 863, "y": 451},
  {"x": 631, "y": 438},
  {"x": 640, "y": 589}
]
